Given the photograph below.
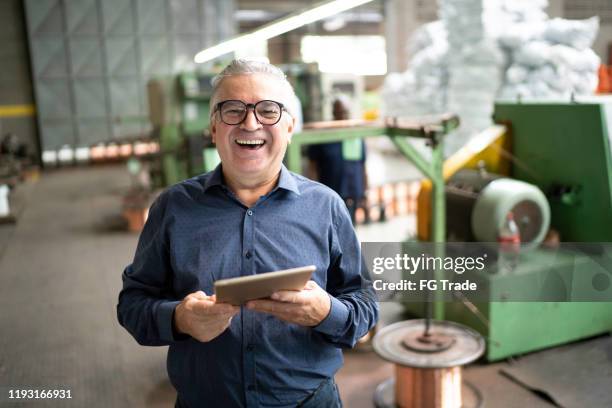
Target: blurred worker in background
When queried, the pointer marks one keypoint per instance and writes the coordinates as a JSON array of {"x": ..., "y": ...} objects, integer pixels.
[{"x": 341, "y": 165}]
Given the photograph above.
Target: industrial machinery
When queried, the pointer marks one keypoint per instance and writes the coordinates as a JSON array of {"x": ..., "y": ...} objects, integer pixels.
[
  {"x": 549, "y": 163},
  {"x": 179, "y": 113},
  {"x": 559, "y": 161}
]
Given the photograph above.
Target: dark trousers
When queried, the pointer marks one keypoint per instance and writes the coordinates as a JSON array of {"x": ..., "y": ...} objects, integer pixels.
[{"x": 326, "y": 396}]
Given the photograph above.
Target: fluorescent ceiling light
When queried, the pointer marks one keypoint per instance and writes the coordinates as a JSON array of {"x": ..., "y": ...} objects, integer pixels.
[{"x": 287, "y": 24}]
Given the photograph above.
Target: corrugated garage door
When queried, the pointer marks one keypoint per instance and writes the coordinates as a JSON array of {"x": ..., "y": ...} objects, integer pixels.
[{"x": 92, "y": 58}]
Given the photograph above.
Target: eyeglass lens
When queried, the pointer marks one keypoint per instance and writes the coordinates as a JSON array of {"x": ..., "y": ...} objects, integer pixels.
[{"x": 266, "y": 112}]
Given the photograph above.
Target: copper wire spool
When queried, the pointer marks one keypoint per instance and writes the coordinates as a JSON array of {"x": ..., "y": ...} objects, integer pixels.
[
  {"x": 428, "y": 387},
  {"x": 427, "y": 364}
]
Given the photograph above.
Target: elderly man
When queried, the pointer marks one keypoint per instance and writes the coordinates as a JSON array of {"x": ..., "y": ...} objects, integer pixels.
[{"x": 250, "y": 215}]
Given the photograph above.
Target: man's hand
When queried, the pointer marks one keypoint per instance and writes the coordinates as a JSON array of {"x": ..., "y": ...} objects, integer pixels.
[
  {"x": 199, "y": 316},
  {"x": 307, "y": 307}
]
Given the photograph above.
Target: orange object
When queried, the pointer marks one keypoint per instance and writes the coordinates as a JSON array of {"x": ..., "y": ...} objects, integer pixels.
[
  {"x": 605, "y": 79},
  {"x": 136, "y": 218}
]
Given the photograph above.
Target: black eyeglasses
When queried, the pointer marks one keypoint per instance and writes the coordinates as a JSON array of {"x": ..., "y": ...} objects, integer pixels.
[{"x": 234, "y": 112}]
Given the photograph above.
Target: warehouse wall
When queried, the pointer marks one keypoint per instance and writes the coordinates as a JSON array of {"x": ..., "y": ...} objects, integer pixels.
[
  {"x": 92, "y": 59},
  {"x": 16, "y": 98}
]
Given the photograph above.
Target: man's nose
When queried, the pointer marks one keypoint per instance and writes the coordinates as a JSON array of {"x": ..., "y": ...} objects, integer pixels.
[{"x": 250, "y": 121}]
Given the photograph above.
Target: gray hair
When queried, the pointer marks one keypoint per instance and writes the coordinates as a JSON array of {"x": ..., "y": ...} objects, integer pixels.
[{"x": 248, "y": 67}]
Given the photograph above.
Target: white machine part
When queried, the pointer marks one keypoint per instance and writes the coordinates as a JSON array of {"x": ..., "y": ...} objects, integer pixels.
[{"x": 527, "y": 202}]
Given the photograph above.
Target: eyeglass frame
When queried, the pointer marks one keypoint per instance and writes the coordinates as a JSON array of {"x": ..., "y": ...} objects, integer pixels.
[{"x": 219, "y": 105}]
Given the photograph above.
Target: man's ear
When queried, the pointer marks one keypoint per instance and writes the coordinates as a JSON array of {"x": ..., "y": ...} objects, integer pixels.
[
  {"x": 290, "y": 127},
  {"x": 213, "y": 129}
]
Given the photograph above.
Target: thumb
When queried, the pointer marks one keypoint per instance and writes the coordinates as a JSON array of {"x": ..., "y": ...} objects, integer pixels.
[{"x": 201, "y": 295}]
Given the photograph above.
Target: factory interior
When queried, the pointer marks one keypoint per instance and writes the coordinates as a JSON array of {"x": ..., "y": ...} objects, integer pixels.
[{"x": 455, "y": 128}]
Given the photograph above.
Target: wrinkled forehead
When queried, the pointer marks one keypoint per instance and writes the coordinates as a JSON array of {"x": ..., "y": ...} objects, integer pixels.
[{"x": 252, "y": 88}]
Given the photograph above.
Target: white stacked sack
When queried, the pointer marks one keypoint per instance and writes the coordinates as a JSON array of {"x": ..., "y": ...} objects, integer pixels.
[
  {"x": 481, "y": 50},
  {"x": 475, "y": 66},
  {"x": 551, "y": 59},
  {"x": 421, "y": 90}
]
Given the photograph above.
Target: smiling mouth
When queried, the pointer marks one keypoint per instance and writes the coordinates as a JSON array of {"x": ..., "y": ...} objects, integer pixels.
[{"x": 250, "y": 144}]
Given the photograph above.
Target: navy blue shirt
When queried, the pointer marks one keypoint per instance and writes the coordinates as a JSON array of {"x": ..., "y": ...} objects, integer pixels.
[{"x": 198, "y": 232}]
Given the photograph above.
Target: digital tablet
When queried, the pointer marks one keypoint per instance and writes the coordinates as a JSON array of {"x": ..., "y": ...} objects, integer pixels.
[{"x": 237, "y": 291}]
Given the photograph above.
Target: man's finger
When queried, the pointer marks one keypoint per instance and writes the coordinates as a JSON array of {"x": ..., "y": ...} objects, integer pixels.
[
  {"x": 211, "y": 308},
  {"x": 207, "y": 307},
  {"x": 200, "y": 295},
  {"x": 311, "y": 285},
  {"x": 227, "y": 308},
  {"x": 193, "y": 303},
  {"x": 271, "y": 306},
  {"x": 290, "y": 296}
]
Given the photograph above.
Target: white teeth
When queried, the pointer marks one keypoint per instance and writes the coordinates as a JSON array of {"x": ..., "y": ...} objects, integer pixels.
[{"x": 250, "y": 142}]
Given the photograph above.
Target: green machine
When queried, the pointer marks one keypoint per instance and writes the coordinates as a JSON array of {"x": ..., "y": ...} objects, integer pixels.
[
  {"x": 564, "y": 150},
  {"x": 552, "y": 296},
  {"x": 179, "y": 111}
]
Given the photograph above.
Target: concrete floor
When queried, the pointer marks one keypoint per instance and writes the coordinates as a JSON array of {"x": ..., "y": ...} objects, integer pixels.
[
  {"x": 60, "y": 273},
  {"x": 60, "y": 276}
]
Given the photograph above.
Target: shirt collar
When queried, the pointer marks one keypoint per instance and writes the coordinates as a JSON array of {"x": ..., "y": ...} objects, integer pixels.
[
  {"x": 286, "y": 180},
  {"x": 215, "y": 178}
]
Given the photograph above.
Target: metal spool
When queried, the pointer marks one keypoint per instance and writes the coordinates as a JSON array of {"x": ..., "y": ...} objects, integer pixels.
[{"x": 428, "y": 363}]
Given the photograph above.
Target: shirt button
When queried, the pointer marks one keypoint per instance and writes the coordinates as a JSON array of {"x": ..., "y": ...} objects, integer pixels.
[
  {"x": 251, "y": 387},
  {"x": 248, "y": 254},
  {"x": 249, "y": 213},
  {"x": 250, "y": 347}
]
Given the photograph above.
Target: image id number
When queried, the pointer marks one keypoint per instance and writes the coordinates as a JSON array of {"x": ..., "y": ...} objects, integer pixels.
[{"x": 39, "y": 394}]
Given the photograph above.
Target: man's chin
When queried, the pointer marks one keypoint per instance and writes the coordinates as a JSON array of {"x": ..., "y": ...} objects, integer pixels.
[
  {"x": 255, "y": 168},
  {"x": 252, "y": 170}
]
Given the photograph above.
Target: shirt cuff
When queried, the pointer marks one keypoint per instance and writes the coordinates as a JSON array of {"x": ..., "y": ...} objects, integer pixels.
[
  {"x": 335, "y": 322},
  {"x": 165, "y": 316}
]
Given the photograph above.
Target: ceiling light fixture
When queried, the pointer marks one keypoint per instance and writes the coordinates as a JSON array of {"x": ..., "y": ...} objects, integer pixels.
[{"x": 293, "y": 21}]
